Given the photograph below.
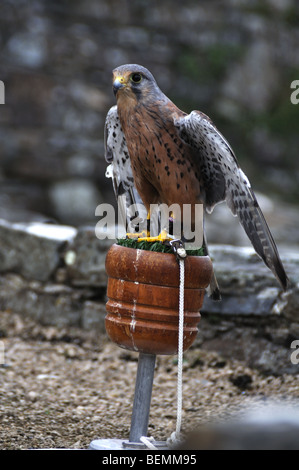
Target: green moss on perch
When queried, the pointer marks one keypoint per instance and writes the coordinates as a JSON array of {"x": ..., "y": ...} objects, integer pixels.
[{"x": 155, "y": 246}]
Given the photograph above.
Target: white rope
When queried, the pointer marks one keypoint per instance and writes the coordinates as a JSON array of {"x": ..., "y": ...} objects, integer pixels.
[
  {"x": 147, "y": 441},
  {"x": 175, "y": 436},
  {"x": 180, "y": 348}
]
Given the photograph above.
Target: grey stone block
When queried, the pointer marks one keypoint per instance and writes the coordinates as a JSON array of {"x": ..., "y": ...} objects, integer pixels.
[{"x": 32, "y": 250}]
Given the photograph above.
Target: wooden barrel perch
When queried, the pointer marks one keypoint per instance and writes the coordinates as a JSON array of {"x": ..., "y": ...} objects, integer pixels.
[{"x": 143, "y": 299}]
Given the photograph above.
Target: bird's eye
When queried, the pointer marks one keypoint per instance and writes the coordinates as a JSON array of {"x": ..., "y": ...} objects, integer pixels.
[{"x": 136, "y": 77}]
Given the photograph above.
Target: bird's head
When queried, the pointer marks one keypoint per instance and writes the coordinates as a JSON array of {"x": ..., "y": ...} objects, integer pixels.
[{"x": 133, "y": 82}]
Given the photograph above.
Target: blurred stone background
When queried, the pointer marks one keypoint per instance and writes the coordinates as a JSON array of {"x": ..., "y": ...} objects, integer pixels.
[{"x": 233, "y": 60}]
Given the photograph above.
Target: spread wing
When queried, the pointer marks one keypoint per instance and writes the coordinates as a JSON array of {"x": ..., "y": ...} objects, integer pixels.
[
  {"x": 116, "y": 154},
  {"x": 223, "y": 179}
]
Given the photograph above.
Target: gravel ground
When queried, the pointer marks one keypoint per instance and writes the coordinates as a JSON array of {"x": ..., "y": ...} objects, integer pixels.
[{"x": 64, "y": 388}]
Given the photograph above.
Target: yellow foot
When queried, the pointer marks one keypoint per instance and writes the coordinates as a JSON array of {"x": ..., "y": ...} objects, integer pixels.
[{"x": 160, "y": 238}]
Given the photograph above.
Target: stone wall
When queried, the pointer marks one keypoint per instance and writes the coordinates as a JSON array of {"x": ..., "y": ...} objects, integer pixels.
[
  {"x": 234, "y": 60},
  {"x": 56, "y": 276}
]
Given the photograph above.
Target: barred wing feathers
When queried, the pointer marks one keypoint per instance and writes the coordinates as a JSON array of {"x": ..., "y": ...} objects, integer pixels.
[{"x": 222, "y": 179}]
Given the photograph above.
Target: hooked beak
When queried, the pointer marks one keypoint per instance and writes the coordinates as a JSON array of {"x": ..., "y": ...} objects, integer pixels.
[{"x": 118, "y": 83}]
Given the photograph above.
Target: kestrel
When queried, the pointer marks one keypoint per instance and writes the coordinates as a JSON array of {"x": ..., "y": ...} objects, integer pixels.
[{"x": 163, "y": 155}]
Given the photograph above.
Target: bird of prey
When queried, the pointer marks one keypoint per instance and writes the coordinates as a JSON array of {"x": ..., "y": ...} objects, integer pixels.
[{"x": 160, "y": 154}]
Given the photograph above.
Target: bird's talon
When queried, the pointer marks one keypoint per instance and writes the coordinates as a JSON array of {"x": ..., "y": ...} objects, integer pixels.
[{"x": 162, "y": 237}]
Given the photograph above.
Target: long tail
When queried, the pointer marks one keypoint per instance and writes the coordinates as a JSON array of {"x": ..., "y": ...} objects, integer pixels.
[{"x": 258, "y": 232}]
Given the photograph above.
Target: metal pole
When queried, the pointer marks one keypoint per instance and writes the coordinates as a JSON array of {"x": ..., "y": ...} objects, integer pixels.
[{"x": 142, "y": 397}]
